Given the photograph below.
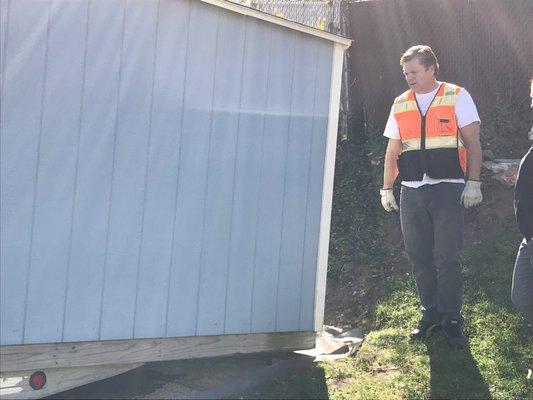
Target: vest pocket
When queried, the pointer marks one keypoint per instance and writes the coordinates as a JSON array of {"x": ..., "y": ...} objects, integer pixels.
[{"x": 445, "y": 125}]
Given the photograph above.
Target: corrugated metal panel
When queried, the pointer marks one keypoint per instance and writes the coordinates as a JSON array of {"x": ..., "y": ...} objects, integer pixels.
[{"x": 162, "y": 170}]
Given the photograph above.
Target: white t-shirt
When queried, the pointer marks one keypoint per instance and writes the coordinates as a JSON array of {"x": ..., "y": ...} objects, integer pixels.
[{"x": 465, "y": 113}]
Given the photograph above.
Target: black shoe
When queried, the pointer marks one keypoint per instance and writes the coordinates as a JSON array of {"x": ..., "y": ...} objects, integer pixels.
[
  {"x": 423, "y": 330},
  {"x": 454, "y": 335}
]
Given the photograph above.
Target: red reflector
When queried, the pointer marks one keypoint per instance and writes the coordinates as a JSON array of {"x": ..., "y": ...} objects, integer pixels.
[{"x": 37, "y": 380}]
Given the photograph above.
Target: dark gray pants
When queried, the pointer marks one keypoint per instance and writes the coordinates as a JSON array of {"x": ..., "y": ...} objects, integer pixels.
[
  {"x": 522, "y": 290},
  {"x": 432, "y": 226}
]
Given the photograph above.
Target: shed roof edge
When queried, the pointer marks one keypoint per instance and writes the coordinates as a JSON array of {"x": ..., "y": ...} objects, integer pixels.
[{"x": 252, "y": 12}]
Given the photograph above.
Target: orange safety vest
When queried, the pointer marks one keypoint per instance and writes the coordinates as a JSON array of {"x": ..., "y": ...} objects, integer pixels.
[{"x": 431, "y": 144}]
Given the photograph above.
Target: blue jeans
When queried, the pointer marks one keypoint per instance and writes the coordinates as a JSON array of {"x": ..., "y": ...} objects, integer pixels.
[
  {"x": 432, "y": 225},
  {"x": 522, "y": 289}
]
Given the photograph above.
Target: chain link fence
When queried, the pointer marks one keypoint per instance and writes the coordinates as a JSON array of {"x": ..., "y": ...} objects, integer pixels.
[{"x": 320, "y": 14}]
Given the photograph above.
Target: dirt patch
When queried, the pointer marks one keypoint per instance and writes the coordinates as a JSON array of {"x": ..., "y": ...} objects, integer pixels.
[
  {"x": 387, "y": 369},
  {"x": 340, "y": 384},
  {"x": 349, "y": 296}
]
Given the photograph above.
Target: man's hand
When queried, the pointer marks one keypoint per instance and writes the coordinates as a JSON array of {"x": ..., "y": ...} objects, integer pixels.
[
  {"x": 390, "y": 172},
  {"x": 387, "y": 200},
  {"x": 471, "y": 194}
]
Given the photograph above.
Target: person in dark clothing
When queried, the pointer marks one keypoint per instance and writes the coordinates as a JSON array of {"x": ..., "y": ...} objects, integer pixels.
[{"x": 522, "y": 288}]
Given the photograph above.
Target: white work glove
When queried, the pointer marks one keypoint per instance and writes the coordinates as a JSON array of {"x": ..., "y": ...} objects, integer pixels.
[
  {"x": 387, "y": 200},
  {"x": 471, "y": 194}
]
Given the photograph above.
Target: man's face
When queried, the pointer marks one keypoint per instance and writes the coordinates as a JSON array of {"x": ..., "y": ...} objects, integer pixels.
[{"x": 418, "y": 77}]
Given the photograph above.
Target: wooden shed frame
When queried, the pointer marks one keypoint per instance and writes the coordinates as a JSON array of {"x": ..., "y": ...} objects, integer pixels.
[{"x": 118, "y": 354}]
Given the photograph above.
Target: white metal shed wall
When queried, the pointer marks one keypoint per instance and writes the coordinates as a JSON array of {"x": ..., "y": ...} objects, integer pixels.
[{"x": 162, "y": 170}]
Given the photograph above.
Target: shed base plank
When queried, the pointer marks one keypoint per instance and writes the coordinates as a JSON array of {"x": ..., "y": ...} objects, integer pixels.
[
  {"x": 15, "y": 384},
  {"x": 77, "y": 354}
]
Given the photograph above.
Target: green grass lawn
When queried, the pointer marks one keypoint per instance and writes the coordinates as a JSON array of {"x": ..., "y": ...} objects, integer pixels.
[{"x": 390, "y": 366}]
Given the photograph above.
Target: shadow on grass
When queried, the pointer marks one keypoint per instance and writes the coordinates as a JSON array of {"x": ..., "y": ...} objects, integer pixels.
[{"x": 454, "y": 372}]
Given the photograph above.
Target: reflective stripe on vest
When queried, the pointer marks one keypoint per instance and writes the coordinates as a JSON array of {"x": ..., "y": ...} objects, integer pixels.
[
  {"x": 441, "y": 132},
  {"x": 442, "y": 142}
]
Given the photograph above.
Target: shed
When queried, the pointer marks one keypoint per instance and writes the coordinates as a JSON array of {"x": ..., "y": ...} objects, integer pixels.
[{"x": 166, "y": 180}]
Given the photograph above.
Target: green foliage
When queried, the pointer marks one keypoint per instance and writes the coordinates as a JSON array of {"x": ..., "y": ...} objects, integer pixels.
[
  {"x": 495, "y": 364},
  {"x": 504, "y": 129},
  {"x": 356, "y": 217}
]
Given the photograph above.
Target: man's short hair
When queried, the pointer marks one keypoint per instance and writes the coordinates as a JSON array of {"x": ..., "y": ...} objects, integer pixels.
[{"x": 425, "y": 56}]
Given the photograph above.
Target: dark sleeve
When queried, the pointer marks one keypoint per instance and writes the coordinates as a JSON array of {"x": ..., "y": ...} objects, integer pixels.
[{"x": 523, "y": 196}]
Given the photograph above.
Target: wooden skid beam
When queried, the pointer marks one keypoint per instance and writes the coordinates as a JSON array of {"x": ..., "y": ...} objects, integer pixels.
[{"x": 75, "y": 354}]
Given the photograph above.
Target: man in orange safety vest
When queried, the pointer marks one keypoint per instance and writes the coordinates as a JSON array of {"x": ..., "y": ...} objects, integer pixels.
[{"x": 433, "y": 132}]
